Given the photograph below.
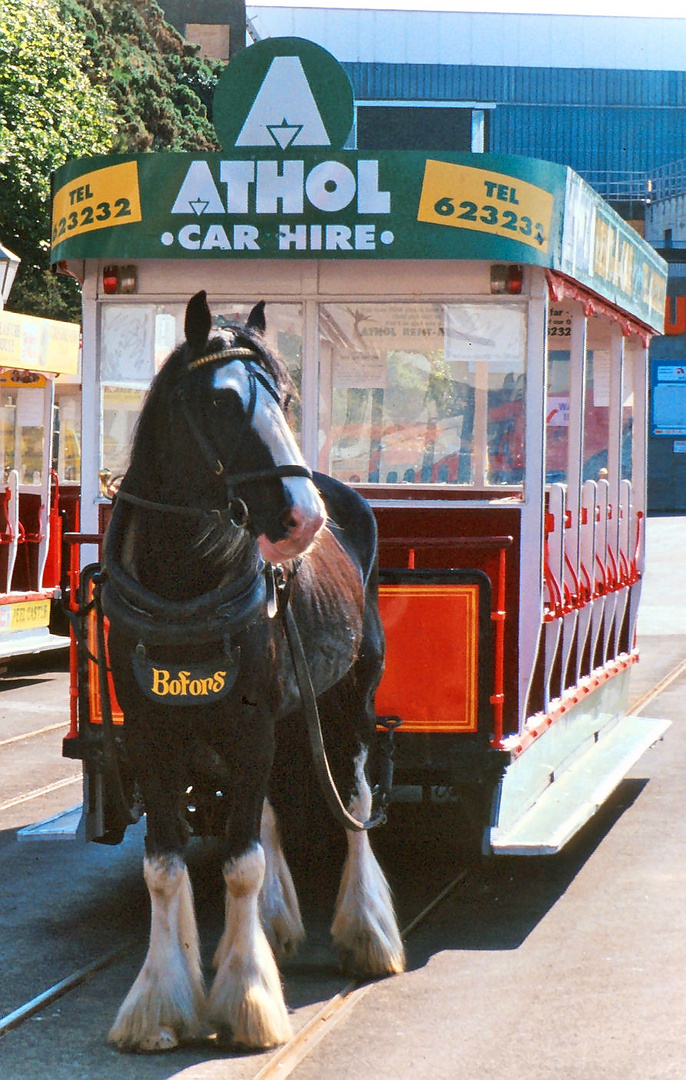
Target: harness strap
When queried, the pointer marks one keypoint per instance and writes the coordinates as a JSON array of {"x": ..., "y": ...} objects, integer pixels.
[
  {"x": 122, "y": 809},
  {"x": 172, "y": 508},
  {"x": 314, "y": 730}
]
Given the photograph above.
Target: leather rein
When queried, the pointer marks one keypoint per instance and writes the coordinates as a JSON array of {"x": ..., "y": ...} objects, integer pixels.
[{"x": 277, "y": 587}]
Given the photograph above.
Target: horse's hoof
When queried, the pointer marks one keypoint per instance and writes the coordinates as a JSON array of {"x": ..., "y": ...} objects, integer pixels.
[
  {"x": 158, "y": 1042},
  {"x": 374, "y": 964}
]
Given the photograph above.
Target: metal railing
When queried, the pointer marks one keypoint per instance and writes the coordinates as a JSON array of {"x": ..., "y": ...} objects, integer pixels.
[
  {"x": 619, "y": 186},
  {"x": 664, "y": 182}
]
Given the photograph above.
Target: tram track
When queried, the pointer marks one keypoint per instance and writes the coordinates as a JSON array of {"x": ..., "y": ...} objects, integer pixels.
[
  {"x": 38, "y": 793},
  {"x": 659, "y": 687},
  {"x": 26, "y": 735},
  {"x": 291, "y": 1054},
  {"x": 284, "y": 1060}
]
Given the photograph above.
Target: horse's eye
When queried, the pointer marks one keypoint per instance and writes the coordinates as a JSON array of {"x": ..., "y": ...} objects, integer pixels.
[{"x": 226, "y": 399}]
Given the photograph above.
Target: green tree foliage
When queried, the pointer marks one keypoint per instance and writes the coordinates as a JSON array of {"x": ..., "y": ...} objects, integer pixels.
[
  {"x": 48, "y": 110},
  {"x": 160, "y": 88},
  {"x": 80, "y": 77}
]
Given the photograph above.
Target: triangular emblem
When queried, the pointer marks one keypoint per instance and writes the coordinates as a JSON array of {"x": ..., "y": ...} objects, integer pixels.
[
  {"x": 265, "y": 125},
  {"x": 198, "y": 194},
  {"x": 284, "y": 134}
]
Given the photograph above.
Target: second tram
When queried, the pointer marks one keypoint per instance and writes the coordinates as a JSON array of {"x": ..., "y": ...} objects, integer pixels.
[{"x": 39, "y": 454}]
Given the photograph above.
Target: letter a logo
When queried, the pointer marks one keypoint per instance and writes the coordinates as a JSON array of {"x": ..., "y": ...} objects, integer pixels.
[
  {"x": 282, "y": 94},
  {"x": 284, "y": 119}
]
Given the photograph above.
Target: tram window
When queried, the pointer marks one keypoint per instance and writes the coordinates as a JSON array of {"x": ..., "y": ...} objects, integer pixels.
[
  {"x": 22, "y": 403},
  {"x": 627, "y": 416},
  {"x": 135, "y": 341},
  {"x": 127, "y": 343},
  {"x": 67, "y": 438},
  {"x": 557, "y": 417},
  {"x": 29, "y": 434},
  {"x": 120, "y": 408},
  {"x": 424, "y": 393},
  {"x": 284, "y": 335},
  {"x": 596, "y": 415},
  {"x": 8, "y": 403}
]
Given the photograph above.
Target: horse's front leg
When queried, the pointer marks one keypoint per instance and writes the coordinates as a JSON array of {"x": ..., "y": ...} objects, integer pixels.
[
  {"x": 166, "y": 1003},
  {"x": 246, "y": 1003}
]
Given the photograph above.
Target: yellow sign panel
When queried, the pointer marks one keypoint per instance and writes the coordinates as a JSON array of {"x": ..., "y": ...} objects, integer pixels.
[
  {"x": 34, "y": 344},
  {"x": 26, "y": 615},
  {"x": 487, "y": 202},
  {"x": 97, "y": 200}
]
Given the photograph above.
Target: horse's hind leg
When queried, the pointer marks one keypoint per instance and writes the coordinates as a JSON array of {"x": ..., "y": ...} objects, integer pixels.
[
  {"x": 165, "y": 1004},
  {"x": 365, "y": 930},
  {"x": 278, "y": 903},
  {"x": 279, "y": 906}
]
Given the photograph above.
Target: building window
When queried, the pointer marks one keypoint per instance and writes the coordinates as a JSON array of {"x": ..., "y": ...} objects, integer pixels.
[
  {"x": 214, "y": 39},
  {"x": 400, "y": 127}
]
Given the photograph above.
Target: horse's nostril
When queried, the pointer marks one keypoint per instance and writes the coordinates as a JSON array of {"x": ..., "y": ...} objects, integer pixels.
[{"x": 289, "y": 521}]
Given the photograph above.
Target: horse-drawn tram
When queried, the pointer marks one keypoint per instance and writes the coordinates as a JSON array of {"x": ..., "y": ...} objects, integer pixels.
[
  {"x": 39, "y": 448},
  {"x": 467, "y": 335}
]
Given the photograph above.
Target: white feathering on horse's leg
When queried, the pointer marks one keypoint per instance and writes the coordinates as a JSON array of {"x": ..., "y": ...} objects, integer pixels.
[
  {"x": 247, "y": 1001},
  {"x": 279, "y": 906},
  {"x": 365, "y": 930},
  {"x": 166, "y": 1004},
  {"x": 229, "y": 932}
]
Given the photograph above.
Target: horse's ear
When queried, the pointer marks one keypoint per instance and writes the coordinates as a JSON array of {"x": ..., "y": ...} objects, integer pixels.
[
  {"x": 256, "y": 319},
  {"x": 198, "y": 322}
]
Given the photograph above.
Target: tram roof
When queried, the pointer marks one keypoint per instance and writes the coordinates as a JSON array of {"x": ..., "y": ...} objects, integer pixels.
[{"x": 407, "y": 205}]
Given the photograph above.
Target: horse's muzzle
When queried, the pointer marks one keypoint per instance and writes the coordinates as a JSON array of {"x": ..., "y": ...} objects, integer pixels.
[{"x": 301, "y": 522}]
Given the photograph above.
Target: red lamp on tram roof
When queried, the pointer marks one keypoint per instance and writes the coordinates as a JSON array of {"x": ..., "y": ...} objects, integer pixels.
[
  {"x": 110, "y": 280},
  {"x": 507, "y": 279},
  {"x": 119, "y": 279}
]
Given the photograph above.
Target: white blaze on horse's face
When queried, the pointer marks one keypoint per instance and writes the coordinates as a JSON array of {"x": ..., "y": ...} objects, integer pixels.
[{"x": 307, "y": 513}]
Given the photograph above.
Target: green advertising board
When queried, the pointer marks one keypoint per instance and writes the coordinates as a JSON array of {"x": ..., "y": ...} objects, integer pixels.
[{"x": 285, "y": 189}]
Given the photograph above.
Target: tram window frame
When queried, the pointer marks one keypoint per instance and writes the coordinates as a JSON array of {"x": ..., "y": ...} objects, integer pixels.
[
  {"x": 158, "y": 340},
  {"x": 487, "y": 393}
]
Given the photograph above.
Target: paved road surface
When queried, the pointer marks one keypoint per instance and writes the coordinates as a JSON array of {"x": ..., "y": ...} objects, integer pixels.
[{"x": 570, "y": 968}]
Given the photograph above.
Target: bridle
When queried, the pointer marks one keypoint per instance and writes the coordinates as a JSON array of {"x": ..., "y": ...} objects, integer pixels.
[{"x": 236, "y": 511}]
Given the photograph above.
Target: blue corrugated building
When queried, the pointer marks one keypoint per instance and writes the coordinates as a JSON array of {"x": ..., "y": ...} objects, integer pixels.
[{"x": 605, "y": 95}]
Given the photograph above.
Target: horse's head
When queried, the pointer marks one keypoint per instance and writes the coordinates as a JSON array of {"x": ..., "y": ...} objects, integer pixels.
[{"x": 234, "y": 394}]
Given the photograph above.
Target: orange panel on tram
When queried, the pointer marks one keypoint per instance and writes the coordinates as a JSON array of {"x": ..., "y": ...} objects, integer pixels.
[{"x": 432, "y": 661}]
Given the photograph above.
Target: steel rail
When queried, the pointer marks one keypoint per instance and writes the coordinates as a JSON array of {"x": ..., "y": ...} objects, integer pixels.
[
  {"x": 36, "y": 793},
  {"x": 58, "y": 989},
  {"x": 288, "y": 1057},
  {"x": 657, "y": 689},
  {"x": 32, "y": 734}
]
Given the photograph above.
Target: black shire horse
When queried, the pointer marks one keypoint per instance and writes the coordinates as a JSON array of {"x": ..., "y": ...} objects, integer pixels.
[{"x": 216, "y": 496}]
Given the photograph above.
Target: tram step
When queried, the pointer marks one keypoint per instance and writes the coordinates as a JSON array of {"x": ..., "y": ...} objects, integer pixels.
[
  {"x": 578, "y": 793},
  {"x": 62, "y": 826},
  {"x": 30, "y": 642}
]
